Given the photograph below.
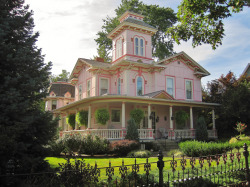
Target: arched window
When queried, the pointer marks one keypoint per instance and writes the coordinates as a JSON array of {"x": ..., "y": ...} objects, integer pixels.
[
  {"x": 139, "y": 46},
  {"x": 139, "y": 86},
  {"x": 118, "y": 86},
  {"x": 118, "y": 48}
]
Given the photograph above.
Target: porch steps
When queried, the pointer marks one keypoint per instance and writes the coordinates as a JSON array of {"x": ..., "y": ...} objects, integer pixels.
[{"x": 166, "y": 145}]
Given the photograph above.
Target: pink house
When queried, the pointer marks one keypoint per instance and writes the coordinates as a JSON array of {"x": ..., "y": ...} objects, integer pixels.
[{"x": 134, "y": 80}]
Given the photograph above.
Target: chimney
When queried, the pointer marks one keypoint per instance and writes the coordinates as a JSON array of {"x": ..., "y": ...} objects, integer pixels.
[{"x": 99, "y": 59}]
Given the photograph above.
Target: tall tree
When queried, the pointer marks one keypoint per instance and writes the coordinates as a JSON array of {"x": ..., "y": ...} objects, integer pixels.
[
  {"x": 64, "y": 76},
  {"x": 202, "y": 20},
  {"x": 234, "y": 96},
  {"x": 24, "y": 128},
  {"x": 159, "y": 17}
]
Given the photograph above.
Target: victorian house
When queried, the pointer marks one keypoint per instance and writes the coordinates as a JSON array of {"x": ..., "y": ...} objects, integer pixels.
[{"x": 134, "y": 80}]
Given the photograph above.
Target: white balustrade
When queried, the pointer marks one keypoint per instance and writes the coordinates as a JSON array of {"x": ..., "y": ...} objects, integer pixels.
[{"x": 146, "y": 133}]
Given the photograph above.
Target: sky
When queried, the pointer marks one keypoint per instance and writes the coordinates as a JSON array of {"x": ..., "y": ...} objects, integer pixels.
[{"x": 68, "y": 29}]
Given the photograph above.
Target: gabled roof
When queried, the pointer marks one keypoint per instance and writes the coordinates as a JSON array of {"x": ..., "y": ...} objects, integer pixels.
[
  {"x": 60, "y": 88},
  {"x": 246, "y": 70},
  {"x": 161, "y": 94},
  {"x": 191, "y": 63}
]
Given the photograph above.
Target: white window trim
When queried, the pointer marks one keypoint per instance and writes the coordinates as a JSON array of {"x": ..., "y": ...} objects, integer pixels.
[
  {"x": 101, "y": 85},
  {"x": 139, "y": 46},
  {"x": 120, "y": 115},
  {"x": 192, "y": 93},
  {"x": 173, "y": 78},
  {"x": 142, "y": 85}
]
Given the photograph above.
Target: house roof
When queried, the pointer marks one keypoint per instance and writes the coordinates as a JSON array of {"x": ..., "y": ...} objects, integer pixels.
[
  {"x": 138, "y": 22},
  {"x": 246, "y": 70},
  {"x": 132, "y": 99},
  {"x": 191, "y": 63},
  {"x": 161, "y": 94},
  {"x": 60, "y": 88}
]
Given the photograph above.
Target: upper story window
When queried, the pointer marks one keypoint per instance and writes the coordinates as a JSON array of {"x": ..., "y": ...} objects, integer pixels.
[
  {"x": 104, "y": 86},
  {"x": 139, "y": 46},
  {"x": 189, "y": 89},
  {"x": 118, "y": 86},
  {"x": 80, "y": 92},
  {"x": 119, "y": 48},
  {"x": 139, "y": 86},
  {"x": 54, "y": 104},
  {"x": 88, "y": 88},
  {"x": 170, "y": 86}
]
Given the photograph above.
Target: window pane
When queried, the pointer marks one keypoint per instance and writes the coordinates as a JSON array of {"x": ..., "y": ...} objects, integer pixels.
[
  {"x": 104, "y": 86},
  {"x": 119, "y": 86},
  {"x": 115, "y": 116},
  {"x": 88, "y": 88},
  {"x": 136, "y": 46},
  {"x": 170, "y": 86},
  {"x": 139, "y": 86},
  {"x": 141, "y": 47},
  {"x": 189, "y": 89}
]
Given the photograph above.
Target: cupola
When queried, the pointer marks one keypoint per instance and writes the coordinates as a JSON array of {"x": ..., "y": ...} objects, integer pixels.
[{"x": 131, "y": 39}]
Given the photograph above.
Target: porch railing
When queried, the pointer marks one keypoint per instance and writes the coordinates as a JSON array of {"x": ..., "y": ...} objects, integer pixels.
[
  {"x": 111, "y": 134},
  {"x": 188, "y": 134}
]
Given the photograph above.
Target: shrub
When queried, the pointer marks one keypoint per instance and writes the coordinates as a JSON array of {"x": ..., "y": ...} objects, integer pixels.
[
  {"x": 72, "y": 143},
  {"x": 95, "y": 145},
  {"x": 123, "y": 147},
  {"x": 70, "y": 120},
  {"x": 139, "y": 154},
  {"x": 196, "y": 148},
  {"x": 102, "y": 116},
  {"x": 137, "y": 114},
  {"x": 181, "y": 117},
  {"x": 132, "y": 132},
  {"x": 57, "y": 147},
  {"x": 82, "y": 118},
  {"x": 201, "y": 130}
]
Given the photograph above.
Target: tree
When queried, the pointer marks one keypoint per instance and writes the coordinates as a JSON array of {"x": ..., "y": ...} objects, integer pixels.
[
  {"x": 24, "y": 128},
  {"x": 203, "y": 20},
  {"x": 159, "y": 17},
  {"x": 234, "y": 96},
  {"x": 201, "y": 133},
  {"x": 64, "y": 76},
  {"x": 132, "y": 132},
  {"x": 137, "y": 115}
]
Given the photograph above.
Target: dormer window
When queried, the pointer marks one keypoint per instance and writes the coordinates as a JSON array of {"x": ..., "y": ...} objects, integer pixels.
[
  {"x": 118, "y": 48},
  {"x": 139, "y": 46}
]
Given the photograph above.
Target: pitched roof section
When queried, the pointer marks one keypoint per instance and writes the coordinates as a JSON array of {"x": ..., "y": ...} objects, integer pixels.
[
  {"x": 162, "y": 94},
  {"x": 246, "y": 70},
  {"x": 60, "y": 88},
  {"x": 199, "y": 71},
  {"x": 138, "y": 22}
]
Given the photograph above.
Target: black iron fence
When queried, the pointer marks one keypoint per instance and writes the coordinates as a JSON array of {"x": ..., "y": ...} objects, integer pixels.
[{"x": 228, "y": 169}]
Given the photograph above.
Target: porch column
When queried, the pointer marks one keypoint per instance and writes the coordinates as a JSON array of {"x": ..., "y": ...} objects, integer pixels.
[
  {"x": 123, "y": 115},
  {"x": 76, "y": 124},
  {"x": 149, "y": 120},
  {"x": 191, "y": 118},
  {"x": 170, "y": 117},
  {"x": 89, "y": 117},
  {"x": 213, "y": 116}
]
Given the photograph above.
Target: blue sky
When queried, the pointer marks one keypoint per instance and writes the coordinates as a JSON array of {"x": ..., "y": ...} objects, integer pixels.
[{"x": 68, "y": 29}]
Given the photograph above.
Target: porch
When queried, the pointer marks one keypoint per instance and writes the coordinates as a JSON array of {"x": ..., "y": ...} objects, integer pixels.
[{"x": 144, "y": 134}]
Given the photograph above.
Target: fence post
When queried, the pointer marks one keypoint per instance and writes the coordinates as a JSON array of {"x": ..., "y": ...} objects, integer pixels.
[
  {"x": 160, "y": 165},
  {"x": 246, "y": 154}
]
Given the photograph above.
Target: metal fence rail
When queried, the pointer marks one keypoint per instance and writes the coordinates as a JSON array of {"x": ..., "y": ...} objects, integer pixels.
[{"x": 216, "y": 170}]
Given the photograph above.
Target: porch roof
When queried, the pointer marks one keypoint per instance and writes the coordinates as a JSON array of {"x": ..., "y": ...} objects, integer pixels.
[{"x": 130, "y": 99}]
